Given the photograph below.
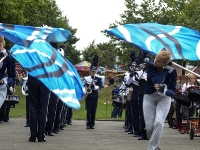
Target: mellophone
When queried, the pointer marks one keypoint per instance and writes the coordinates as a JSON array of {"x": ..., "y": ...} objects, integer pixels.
[
  {"x": 192, "y": 95},
  {"x": 13, "y": 99}
]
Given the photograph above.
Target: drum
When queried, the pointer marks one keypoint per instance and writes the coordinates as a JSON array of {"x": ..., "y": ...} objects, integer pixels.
[
  {"x": 194, "y": 93},
  {"x": 13, "y": 99},
  {"x": 183, "y": 99}
]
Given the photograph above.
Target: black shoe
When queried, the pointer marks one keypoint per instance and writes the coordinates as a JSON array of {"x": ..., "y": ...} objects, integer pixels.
[
  {"x": 170, "y": 126},
  {"x": 91, "y": 127},
  {"x": 87, "y": 127},
  {"x": 27, "y": 125},
  {"x": 43, "y": 140},
  {"x": 174, "y": 127},
  {"x": 69, "y": 123},
  {"x": 31, "y": 140},
  {"x": 50, "y": 134},
  {"x": 142, "y": 138},
  {"x": 62, "y": 128},
  {"x": 127, "y": 130},
  {"x": 57, "y": 132},
  {"x": 135, "y": 135},
  {"x": 131, "y": 132}
]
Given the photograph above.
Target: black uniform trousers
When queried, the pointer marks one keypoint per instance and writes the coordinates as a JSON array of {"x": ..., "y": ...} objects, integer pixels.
[
  {"x": 141, "y": 119},
  {"x": 129, "y": 115},
  {"x": 51, "y": 114},
  {"x": 178, "y": 113},
  {"x": 63, "y": 116},
  {"x": 69, "y": 115},
  {"x": 91, "y": 106},
  {"x": 4, "y": 111},
  {"x": 38, "y": 100},
  {"x": 170, "y": 115},
  {"x": 5, "y": 108},
  {"x": 135, "y": 116},
  {"x": 58, "y": 116},
  {"x": 27, "y": 112}
]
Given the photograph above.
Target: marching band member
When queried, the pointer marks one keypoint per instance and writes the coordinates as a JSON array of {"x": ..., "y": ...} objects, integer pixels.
[
  {"x": 161, "y": 85},
  {"x": 69, "y": 115},
  {"x": 52, "y": 106},
  {"x": 134, "y": 84},
  {"x": 124, "y": 92},
  {"x": 25, "y": 93},
  {"x": 93, "y": 84},
  {"x": 6, "y": 77},
  {"x": 142, "y": 77}
]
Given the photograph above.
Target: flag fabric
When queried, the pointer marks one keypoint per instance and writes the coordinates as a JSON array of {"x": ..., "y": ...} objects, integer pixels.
[
  {"x": 25, "y": 35},
  {"x": 183, "y": 42},
  {"x": 45, "y": 63}
]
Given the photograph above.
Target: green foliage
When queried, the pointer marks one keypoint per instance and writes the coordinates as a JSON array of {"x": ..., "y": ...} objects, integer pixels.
[
  {"x": 103, "y": 109},
  {"x": 107, "y": 53},
  {"x": 38, "y": 13}
]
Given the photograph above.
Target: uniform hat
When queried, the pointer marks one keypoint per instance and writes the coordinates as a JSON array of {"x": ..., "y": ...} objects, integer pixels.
[{"x": 94, "y": 63}]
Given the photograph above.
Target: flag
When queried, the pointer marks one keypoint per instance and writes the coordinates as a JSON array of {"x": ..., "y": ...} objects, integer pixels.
[
  {"x": 44, "y": 62},
  {"x": 183, "y": 42},
  {"x": 25, "y": 35}
]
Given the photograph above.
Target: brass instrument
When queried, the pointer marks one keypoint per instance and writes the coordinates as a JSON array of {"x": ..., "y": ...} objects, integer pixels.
[{"x": 89, "y": 89}]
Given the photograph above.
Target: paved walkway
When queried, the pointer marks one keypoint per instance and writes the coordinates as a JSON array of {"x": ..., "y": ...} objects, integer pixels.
[{"x": 108, "y": 135}]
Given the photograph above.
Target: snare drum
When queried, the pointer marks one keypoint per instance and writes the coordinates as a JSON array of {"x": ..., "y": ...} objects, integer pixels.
[
  {"x": 194, "y": 93},
  {"x": 183, "y": 99},
  {"x": 13, "y": 99}
]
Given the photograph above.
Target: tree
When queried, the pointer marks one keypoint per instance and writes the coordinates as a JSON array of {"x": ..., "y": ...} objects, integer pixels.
[
  {"x": 38, "y": 13},
  {"x": 107, "y": 53}
]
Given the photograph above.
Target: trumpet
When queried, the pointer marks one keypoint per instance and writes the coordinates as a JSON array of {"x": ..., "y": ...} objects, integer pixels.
[{"x": 89, "y": 89}]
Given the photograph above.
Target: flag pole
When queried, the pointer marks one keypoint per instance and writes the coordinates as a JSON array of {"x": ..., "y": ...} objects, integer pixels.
[{"x": 185, "y": 69}]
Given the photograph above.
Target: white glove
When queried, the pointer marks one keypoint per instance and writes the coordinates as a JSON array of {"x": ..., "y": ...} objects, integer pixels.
[{"x": 169, "y": 68}]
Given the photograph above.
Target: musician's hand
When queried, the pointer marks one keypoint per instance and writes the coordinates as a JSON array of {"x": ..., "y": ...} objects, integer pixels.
[
  {"x": 1, "y": 82},
  {"x": 12, "y": 90},
  {"x": 156, "y": 86},
  {"x": 161, "y": 88}
]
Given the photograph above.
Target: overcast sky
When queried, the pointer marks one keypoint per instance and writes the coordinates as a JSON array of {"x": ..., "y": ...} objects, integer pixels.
[{"x": 90, "y": 17}]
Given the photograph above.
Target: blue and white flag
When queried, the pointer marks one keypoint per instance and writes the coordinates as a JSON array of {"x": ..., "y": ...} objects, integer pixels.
[
  {"x": 44, "y": 62},
  {"x": 183, "y": 42},
  {"x": 25, "y": 35}
]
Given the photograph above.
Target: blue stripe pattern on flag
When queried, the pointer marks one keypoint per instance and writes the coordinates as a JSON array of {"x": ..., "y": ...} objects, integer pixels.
[
  {"x": 183, "y": 42},
  {"x": 24, "y": 35},
  {"x": 42, "y": 61}
]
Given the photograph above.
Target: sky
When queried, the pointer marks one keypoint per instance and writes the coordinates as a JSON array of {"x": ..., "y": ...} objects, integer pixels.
[{"x": 90, "y": 17}]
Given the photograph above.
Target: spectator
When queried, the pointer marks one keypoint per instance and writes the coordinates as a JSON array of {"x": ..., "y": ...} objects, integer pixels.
[
  {"x": 111, "y": 81},
  {"x": 116, "y": 102}
]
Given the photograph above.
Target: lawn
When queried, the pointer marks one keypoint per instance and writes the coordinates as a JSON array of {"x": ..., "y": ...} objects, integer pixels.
[{"x": 104, "y": 107}]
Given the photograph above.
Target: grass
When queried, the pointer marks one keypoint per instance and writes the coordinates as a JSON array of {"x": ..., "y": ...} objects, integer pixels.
[{"x": 104, "y": 107}]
